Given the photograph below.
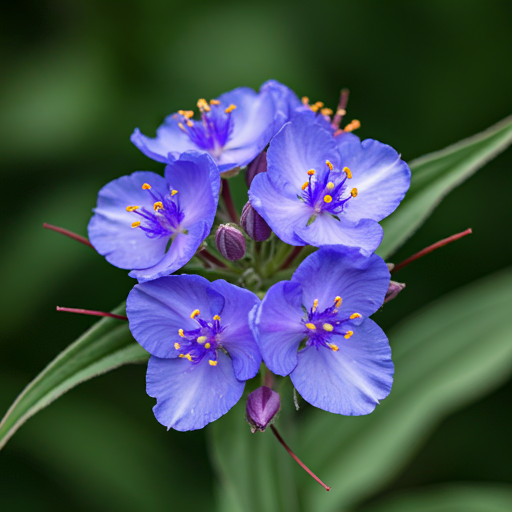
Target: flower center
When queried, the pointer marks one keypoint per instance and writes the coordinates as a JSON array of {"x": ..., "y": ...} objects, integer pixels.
[
  {"x": 201, "y": 342},
  {"x": 213, "y": 130},
  {"x": 328, "y": 194},
  {"x": 321, "y": 326},
  {"x": 164, "y": 220}
]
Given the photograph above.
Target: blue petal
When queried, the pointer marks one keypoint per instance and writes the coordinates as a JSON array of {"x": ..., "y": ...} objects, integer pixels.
[
  {"x": 350, "y": 381},
  {"x": 278, "y": 328},
  {"x": 285, "y": 99},
  {"x": 158, "y": 309},
  {"x": 301, "y": 145},
  {"x": 110, "y": 230},
  {"x": 378, "y": 173},
  {"x": 360, "y": 281},
  {"x": 189, "y": 396},
  {"x": 237, "y": 337}
]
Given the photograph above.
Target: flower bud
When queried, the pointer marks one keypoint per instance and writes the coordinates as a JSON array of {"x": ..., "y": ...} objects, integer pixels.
[
  {"x": 259, "y": 164},
  {"x": 393, "y": 290},
  {"x": 254, "y": 224},
  {"x": 230, "y": 242},
  {"x": 262, "y": 405}
]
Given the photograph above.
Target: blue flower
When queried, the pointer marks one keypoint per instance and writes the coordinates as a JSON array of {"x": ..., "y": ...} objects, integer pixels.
[
  {"x": 316, "y": 329},
  {"x": 321, "y": 190},
  {"x": 153, "y": 225},
  {"x": 202, "y": 349},
  {"x": 233, "y": 129}
]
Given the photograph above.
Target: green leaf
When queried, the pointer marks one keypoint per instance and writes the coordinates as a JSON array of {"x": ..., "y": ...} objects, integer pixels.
[
  {"x": 447, "y": 355},
  {"x": 435, "y": 175},
  {"x": 449, "y": 498},
  {"x": 107, "y": 345}
]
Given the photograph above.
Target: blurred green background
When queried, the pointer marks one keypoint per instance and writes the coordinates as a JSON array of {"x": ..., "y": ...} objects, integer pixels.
[{"x": 78, "y": 77}]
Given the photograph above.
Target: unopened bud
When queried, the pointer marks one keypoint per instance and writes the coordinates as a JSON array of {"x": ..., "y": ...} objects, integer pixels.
[
  {"x": 259, "y": 164},
  {"x": 262, "y": 405},
  {"x": 393, "y": 290},
  {"x": 230, "y": 242},
  {"x": 254, "y": 224}
]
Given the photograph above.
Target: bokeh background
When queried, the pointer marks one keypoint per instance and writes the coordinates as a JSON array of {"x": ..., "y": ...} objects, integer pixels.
[{"x": 78, "y": 77}]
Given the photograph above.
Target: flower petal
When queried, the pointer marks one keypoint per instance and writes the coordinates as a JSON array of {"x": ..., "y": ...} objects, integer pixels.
[
  {"x": 189, "y": 396},
  {"x": 350, "y": 381}
]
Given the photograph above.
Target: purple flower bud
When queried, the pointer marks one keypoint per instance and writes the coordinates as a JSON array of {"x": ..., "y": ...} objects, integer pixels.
[
  {"x": 254, "y": 224},
  {"x": 259, "y": 164},
  {"x": 393, "y": 290},
  {"x": 230, "y": 242},
  {"x": 262, "y": 406}
]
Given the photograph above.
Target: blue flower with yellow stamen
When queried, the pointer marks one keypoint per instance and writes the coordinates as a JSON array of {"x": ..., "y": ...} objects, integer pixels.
[
  {"x": 202, "y": 348},
  {"x": 316, "y": 329},
  {"x": 153, "y": 225},
  {"x": 233, "y": 129}
]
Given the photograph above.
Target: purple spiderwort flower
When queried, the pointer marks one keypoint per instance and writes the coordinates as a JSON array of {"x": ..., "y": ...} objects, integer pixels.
[
  {"x": 321, "y": 190},
  {"x": 139, "y": 215},
  {"x": 233, "y": 129},
  {"x": 316, "y": 329},
  {"x": 262, "y": 406},
  {"x": 202, "y": 349}
]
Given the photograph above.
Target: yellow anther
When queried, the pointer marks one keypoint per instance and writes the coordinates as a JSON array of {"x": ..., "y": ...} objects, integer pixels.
[
  {"x": 201, "y": 339},
  {"x": 214, "y": 102},
  {"x": 311, "y": 172},
  {"x": 305, "y": 186},
  {"x": 202, "y": 104},
  {"x": 217, "y": 317},
  {"x": 337, "y": 301},
  {"x": 354, "y": 192},
  {"x": 146, "y": 186},
  {"x": 317, "y": 106},
  {"x": 333, "y": 347},
  {"x": 181, "y": 112},
  {"x": 305, "y": 100},
  {"x": 328, "y": 327},
  {"x": 230, "y": 108},
  {"x": 355, "y": 315},
  {"x": 180, "y": 332},
  {"x": 182, "y": 128},
  {"x": 330, "y": 185},
  {"x": 212, "y": 363},
  {"x": 189, "y": 357},
  {"x": 136, "y": 224},
  {"x": 326, "y": 111},
  {"x": 327, "y": 198},
  {"x": 207, "y": 345},
  {"x": 311, "y": 326},
  {"x": 182, "y": 355},
  {"x": 177, "y": 346},
  {"x": 173, "y": 192},
  {"x": 347, "y": 171},
  {"x": 190, "y": 124},
  {"x": 132, "y": 208},
  {"x": 349, "y": 333},
  {"x": 329, "y": 164},
  {"x": 158, "y": 205},
  {"x": 194, "y": 313},
  {"x": 315, "y": 305},
  {"x": 353, "y": 125}
]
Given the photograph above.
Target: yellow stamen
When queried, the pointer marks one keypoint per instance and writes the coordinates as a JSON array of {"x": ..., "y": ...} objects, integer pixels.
[
  {"x": 337, "y": 301},
  {"x": 330, "y": 185},
  {"x": 328, "y": 327},
  {"x": 190, "y": 124},
  {"x": 217, "y": 317},
  {"x": 315, "y": 305},
  {"x": 347, "y": 171},
  {"x": 329, "y": 164},
  {"x": 355, "y": 315},
  {"x": 230, "y": 108},
  {"x": 305, "y": 100},
  {"x": 132, "y": 208},
  {"x": 214, "y": 102},
  {"x": 349, "y": 333},
  {"x": 326, "y": 111},
  {"x": 354, "y": 192},
  {"x": 201, "y": 339},
  {"x": 177, "y": 346},
  {"x": 181, "y": 355},
  {"x": 212, "y": 363},
  {"x": 202, "y": 104},
  {"x": 188, "y": 114},
  {"x": 158, "y": 205},
  {"x": 341, "y": 112},
  {"x": 311, "y": 172},
  {"x": 327, "y": 198},
  {"x": 318, "y": 105},
  {"x": 180, "y": 332},
  {"x": 207, "y": 345},
  {"x": 333, "y": 347},
  {"x": 305, "y": 186},
  {"x": 353, "y": 125},
  {"x": 194, "y": 313},
  {"x": 189, "y": 357},
  {"x": 182, "y": 128},
  {"x": 136, "y": 224},
  {"x": 173, "y": 192},
  {"x": 311, "y": 326},
  {"x": 146, "y": 186}
]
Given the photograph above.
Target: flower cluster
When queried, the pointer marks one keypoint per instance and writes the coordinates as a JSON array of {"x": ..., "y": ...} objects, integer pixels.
[{"x": 237, "y": 301}]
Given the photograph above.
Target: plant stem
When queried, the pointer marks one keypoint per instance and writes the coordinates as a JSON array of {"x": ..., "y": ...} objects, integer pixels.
[
  {"x": 92, "y": 313},
  {"x": 211, "y": 258},
  {"x": 228, "y": 201},
  {"x": 66, "y": 232},
  {"x": 289, "y": 260},
  {"x": 340, "y": 111}
]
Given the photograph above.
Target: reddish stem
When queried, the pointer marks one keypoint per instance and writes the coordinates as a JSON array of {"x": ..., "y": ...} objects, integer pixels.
[
  {"x": 66, "y": 232},
  {"x": 342, "y": 105},
  {"x": 430, "y": 248},
  {"x": 291, "y": 257},
  {"x": 228, "y": 201},
  {"x": 211, "y": 258},
  {"x": 93, "y": 313},
  {"x": 297, "y": 460}
]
